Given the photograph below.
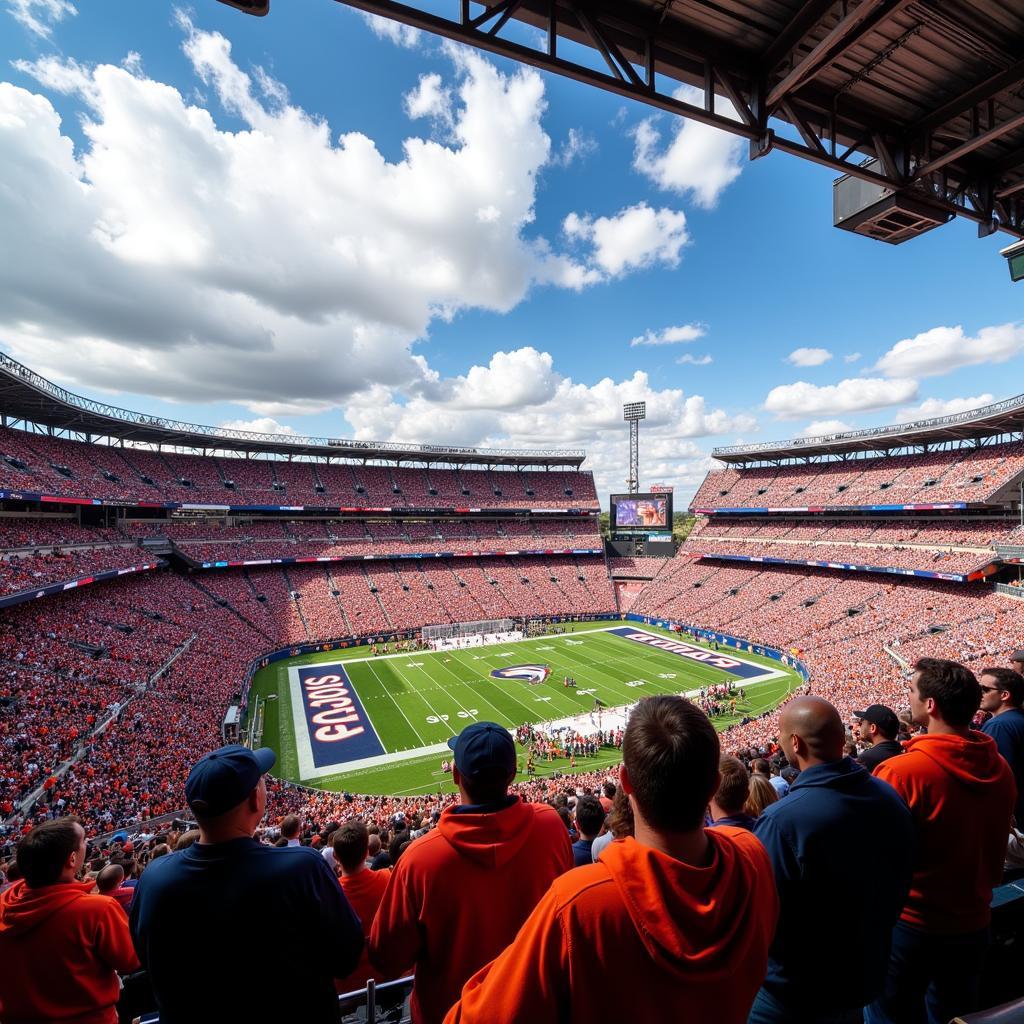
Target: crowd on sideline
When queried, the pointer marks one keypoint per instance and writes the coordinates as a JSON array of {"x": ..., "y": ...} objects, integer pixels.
[{"x": 689, "y": 878}]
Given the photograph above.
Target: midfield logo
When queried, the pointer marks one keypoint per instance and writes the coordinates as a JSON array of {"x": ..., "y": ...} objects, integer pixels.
[{"x": 533, "y": 674}]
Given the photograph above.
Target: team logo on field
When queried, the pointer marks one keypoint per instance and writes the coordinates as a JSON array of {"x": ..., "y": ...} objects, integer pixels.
[{"x": 533, "y": 674}]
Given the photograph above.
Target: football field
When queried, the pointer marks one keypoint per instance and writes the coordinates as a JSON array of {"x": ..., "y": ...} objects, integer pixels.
[{"x": 348, "y": 720}]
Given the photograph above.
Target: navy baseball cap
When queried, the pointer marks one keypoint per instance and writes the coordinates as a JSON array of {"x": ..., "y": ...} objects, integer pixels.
[
  {"x": 223, "y": 779},
  {"x": 484, "y": 749},
  {"x": 883, "y": 717}
]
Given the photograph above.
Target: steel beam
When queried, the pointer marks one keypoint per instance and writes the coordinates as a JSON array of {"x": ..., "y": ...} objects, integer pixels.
[
  {"x": 965, "y": 148},
  {"x": 793, "y": 34},
  {"x": 850, "y": 30},
  {"x": 967, "y": 101}
]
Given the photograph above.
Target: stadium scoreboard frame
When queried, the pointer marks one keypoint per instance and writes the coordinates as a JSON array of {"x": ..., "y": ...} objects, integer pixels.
[{"x": 647, "y": 513}]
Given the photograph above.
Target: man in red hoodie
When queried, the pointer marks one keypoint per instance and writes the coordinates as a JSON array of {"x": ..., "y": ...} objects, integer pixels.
[
  {"x": 961, "y": 793},
  {"x": 459, "y": 894},
  {"x": 680, "y": 917},
  {"x": 61, "y": 947}
]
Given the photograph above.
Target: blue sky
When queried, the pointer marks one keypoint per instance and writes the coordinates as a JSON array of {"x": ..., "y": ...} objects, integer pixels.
[{"x": 309, "y": 222}]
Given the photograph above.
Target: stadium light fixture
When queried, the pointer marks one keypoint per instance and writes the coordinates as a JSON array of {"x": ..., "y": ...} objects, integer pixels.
[
  {"x": 1014, "y": 256},
  {"x": 633, "y": 413}
]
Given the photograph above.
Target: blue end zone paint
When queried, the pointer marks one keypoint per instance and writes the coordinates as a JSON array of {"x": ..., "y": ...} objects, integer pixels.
[
  {"x": 714, "y": 659},
  {"x": 531, "y": 673},
  {"x": 337, "y": 726}
]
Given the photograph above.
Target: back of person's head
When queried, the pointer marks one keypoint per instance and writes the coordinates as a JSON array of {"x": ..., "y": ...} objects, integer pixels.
[
  {"x": 589, "y": 816},
  {"x": 670, "y": 755},
  {"x": 620, "y": 818},
  {"x": 290, "y": 826},
  {"x": 759, "y": 766},
  {"x": 186, "y": 839},
  {"x": 762, "y": 793},
  {"x": 609, "y": 789},
  {"x": 351, "y": 843},
  {"x": 952, "y": 687},
  {"x": 110, "y": 878},
  {"x": 1008, "y": 680},
  {"x": 43, "y": 854},
  {"x": 397, "y": 845},
  {"x": 374, "y": 844},
  {"x": 734, "y": 788}
]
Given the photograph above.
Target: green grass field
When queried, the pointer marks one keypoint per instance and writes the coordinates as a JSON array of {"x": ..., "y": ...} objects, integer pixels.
[{"x": 419, "y": 700}]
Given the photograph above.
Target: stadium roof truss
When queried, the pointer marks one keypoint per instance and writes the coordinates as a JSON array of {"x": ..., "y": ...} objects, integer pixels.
[
  {"x": 919, "y": 98},
  {"x": 976, "y": 426},
  {"x": 26, "y": 396}
]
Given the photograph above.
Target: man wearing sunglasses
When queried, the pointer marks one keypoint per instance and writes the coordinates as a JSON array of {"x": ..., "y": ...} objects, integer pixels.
[{"x": 1002, "y": 695}]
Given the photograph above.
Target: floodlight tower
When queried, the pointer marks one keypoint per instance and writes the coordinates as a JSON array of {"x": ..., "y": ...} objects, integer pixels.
[{"x": 633, "y": 413}]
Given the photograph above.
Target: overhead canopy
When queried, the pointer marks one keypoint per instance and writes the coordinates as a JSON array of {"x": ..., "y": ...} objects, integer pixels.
[
  {"x": 25, "y": 395},
  {"x": 1005, "y": 417},
  {"x": 929, "y": 91}
]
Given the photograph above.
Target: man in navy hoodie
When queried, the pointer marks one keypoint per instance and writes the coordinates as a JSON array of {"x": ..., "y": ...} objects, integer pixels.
[{"x": 839, "y": 832}]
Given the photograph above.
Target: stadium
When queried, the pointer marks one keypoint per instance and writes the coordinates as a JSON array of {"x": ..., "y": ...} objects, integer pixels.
[{"x": 356, "y": 607}]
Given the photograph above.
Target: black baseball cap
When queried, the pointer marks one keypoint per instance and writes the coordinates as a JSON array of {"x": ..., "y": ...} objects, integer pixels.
[
  {"x": 885, "y": 718},
  {"x": 484, "y": 749},
  {"x": 1017, "y": 656},
  {"x": 224, "y": 778}
]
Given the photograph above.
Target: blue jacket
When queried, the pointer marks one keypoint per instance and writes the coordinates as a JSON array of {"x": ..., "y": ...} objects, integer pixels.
[
  {"x": 211, "y": 917},
  {"x": 1007, "y": 730},
  {"x": 841, "y": 839},
  {"x": 582, "y": 853}
]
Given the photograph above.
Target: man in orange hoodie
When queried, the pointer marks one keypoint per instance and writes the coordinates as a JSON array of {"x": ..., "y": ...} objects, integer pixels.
[
  {"x": 61, "y": 947},
  {"x": 674, "y": 923},
  {"x": 961, "y": 794},
  {"x": 459, "y": 894}
]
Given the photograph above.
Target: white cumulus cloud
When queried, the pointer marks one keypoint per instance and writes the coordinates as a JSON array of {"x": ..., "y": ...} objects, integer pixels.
[
  {"x": 670, "y": 335},
  {"x": 259, "y": 425},
  {"x": 39, "y": 16},
  {"x": 394, "y": 31},
  {"x": 856, "y": 394},
  {"x": 821, "y": 428},
  {"x": 698, "y": 159},
  {"x": 945, "y": 349},
  {"x": 809, "y": 356},
  {"x": 932, "y": 407},
  {"x": 637, "y": 236}
]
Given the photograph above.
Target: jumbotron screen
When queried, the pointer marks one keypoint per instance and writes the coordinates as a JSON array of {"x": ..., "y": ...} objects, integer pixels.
[{"x": 641, "y": 512}]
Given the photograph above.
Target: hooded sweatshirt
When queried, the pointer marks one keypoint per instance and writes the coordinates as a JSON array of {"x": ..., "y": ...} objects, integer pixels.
[
  {"x": 458, "y": 896},
  {"x": 60, "y": 951},
  {"x": 634, "y": 936},
  {"x": 961, "y": 795}
]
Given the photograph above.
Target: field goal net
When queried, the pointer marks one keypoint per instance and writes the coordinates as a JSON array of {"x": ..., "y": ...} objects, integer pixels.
[{"x": 449, "y": 636}]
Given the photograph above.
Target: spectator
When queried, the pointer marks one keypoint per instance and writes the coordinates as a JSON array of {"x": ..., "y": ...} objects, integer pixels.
[
  {"x": 779, "y": 784},
  {"x": 879, "y": 728},
  {"x": 837, "y": 824},
  {"x": 1002, "y": 694},
  {"x": 961, "y": 795},
  {"x": 762, "y": 794},
  {"x": 618, "y": 824},
  {"x": 1017, "y": 662},
  {"x": 459, "y": 895},
  {"x": 290, "y": 830},
  {"x": 363, "y": 888},
  {"x": 731, "y": 796},
  {"x": 607, "y": 797},
  {"x": 108, "y": 883},
  {"x": 643, "y": 912},
  {"x": 204, "y": 906},
  {"x": 589, "y": 822},
  {"x": 61, "y": 947}
]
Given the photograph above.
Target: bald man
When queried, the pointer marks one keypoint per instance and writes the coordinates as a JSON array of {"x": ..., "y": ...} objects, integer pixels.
[{"x": 839, "y": 836}]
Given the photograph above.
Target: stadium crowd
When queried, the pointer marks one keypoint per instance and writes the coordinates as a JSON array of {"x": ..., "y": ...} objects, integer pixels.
[{"x": 693, "y": 872}]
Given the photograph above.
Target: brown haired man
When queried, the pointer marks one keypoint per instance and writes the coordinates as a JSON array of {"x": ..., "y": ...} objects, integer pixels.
[
  {"x": 60, "y": 946},
  {"x": 683, "y": 915},
  {"x": 961, "y": 794}
]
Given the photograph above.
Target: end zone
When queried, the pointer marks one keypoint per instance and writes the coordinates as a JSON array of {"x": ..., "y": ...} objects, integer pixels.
[
  {"x": 726, "y": 661},
  {"x": 332, "y": 729}
]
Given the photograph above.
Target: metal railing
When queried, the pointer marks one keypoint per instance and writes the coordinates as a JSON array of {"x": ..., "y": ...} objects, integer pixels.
[{"x": 339, "y": 446}]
